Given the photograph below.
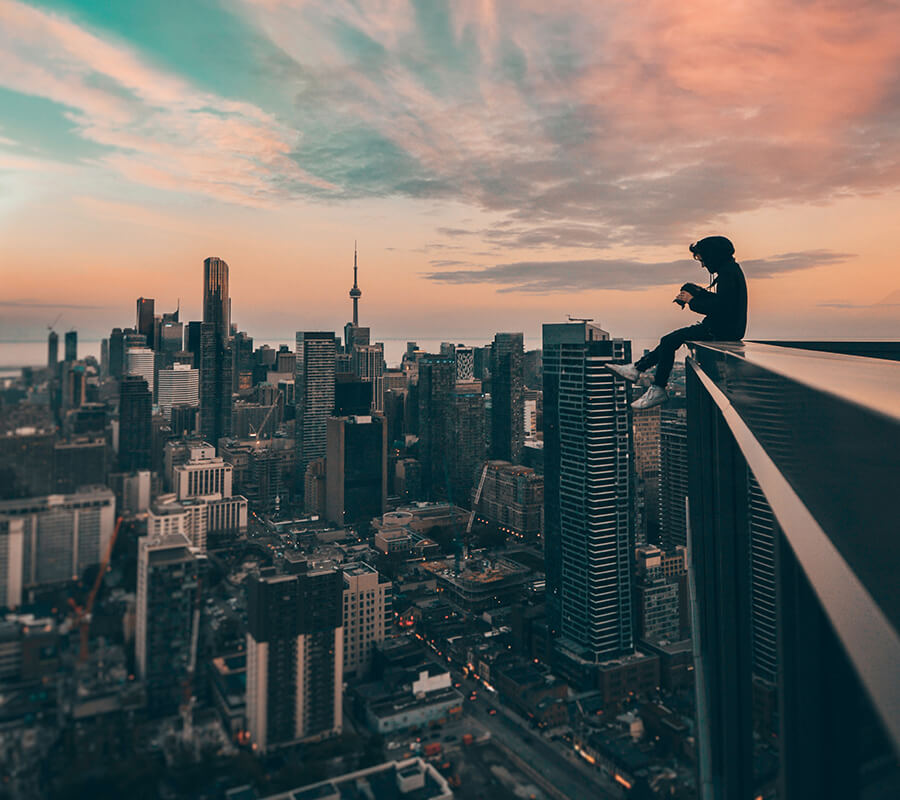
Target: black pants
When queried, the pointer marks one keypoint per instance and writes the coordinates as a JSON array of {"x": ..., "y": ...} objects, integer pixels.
[{"x": 663, "y": 355}]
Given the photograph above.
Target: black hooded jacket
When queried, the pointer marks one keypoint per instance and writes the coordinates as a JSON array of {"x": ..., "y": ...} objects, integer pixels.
[{"x": 726, "y": 308}]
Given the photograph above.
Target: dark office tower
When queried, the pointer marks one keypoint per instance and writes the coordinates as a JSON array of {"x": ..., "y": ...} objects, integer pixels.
[
  {"x": 437, "y": 377},
  {"x": 167, "y": 615},
  {"x": 144, "y": 318},
  {"x": 532, "y": 369},
  {"x": 242, "y": 369},
  {"x": 469, "y": 431},
  {"x": 71, "y": 346},
  {"x": 135, "y": 436},
  {"x": 81, "y": 462},
  {"x": 116, "y": 353},
  {"x": 587, "y": 493},
  {"x": 356, "y": 469},
  {"x": 313, "y": 395},
  {"x": 52, "y": 350},
  {"x": 295, "y": 655},
  {"x": 507, "y": 397},
  {"x": 170, "y": 337},
  {"x": 215, "y": 384},
  {"x": 184, "y": 420},
  {"x": 192, "y": 344},
  {"x": 216, "y": 301},
  {"x": 673, "y": 476},
  {"x": 104, "y": 358},
  {"x": 352, "y": 397}
]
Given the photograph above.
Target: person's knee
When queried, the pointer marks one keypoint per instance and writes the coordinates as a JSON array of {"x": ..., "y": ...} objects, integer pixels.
[{"x": 672, "y": 341}]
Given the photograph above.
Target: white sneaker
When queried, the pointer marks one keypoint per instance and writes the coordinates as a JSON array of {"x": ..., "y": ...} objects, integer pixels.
[
  {"x": 654, "y": 396},
  {"x": 628, "y": 371}
]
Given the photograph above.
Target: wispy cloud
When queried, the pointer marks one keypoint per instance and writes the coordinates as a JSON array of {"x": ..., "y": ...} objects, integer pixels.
[{"x": 550, "y": 277}]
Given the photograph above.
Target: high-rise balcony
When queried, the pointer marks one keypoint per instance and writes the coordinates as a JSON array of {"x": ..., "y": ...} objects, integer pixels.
[{"x": 794, "y": 463}]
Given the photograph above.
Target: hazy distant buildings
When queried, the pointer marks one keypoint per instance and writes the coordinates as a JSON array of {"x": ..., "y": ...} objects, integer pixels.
[
  {"x": 135, "y": 433},
  {"x": 295, "y": 656},
  {"x": 168, "y": 610},
  {"x": 507, "y": 397},
  {"x": 587, "y": 498},
  {"x": 356, "y": 467},
  {"x": 71, "y": 353},
  {"x": 52, "y": 350},
  {"x": 314, "y": 394}
]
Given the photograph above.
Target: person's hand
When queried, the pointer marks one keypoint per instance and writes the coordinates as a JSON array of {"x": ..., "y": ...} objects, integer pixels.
[{"x": 684, "y": 296}]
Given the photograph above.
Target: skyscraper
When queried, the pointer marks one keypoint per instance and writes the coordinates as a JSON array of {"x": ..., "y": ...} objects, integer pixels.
[
  {"x": 356, "y": 469},
  {"x": 216, "y": 364},
  {"x": 673, "y": 476},
  {"x": 216, "y": 300},
  {"x": 71, "y": 353},
  {"x": 144, "y": 318},
  {"x": 507, "y": 397},
  {"x": 52, "y": 350},
  {"x": 294, "y": 655},
  {"x": 116, "y": 353},
  {"x": 135, "y": 435},
  {"x": 140, "y": 361},
  {"x": 216, "y": 360},
  {"x": 368, "y": 366},
  {"x": 178, "y": 386},
  {"x": 313, "y": 394},
  {"x": 168, "y": 612},
  {"x": 587, "y": 493},
  {"x": 437, "y": 377},
  {"x": 469, "y": 434}
]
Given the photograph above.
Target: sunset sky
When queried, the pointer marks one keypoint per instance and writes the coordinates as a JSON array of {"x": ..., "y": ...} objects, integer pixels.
[{"x": 502, "y": 163}]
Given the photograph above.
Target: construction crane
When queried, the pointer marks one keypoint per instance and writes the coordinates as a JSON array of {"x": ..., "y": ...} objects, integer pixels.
[
  {"x": 187, "y": 701},
  {"x": 475, "y": 502},
  {"x": 262, "y": 425},
  {"x": 83, "y": 614},
  {"x": 53, "y": 324}
]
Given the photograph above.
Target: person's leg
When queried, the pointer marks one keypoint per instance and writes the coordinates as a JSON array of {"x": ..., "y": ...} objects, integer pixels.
[{"x": 668, "y": 346}]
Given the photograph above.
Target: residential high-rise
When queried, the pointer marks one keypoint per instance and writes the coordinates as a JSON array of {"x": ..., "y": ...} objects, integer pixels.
[
  {"x": 646, "y": 466},
  {"x": 587, "y": 493},
  {"x": 135, "y": 433},
  {"x": 465, "y": 363},
  {"x": 216, "y": 300},
  {"x": 144, "y": 318},
  {"x": 512, "y": 499},
  {"x": 313, "y": 395},
  {"x": 295, "y": 656},
  {"x": 52, "y": 350},
  {"x": 53, "y": 539},
  {"x": 71, "y": 353},
  {"x": 140, "y": 361},
  {"x": 368, "y": 615},
  {"x": 178, "y": 386},
  {"x": 368, "y": 366},
  {"x": 437, "y": 377},
  {"x": 356, "y": 469},
  {"x": 507, "y": 397},
  {"x": 469, "y": 429},
  {"x": 168, "y": 611},
  {"x": 673, "y": 477}
]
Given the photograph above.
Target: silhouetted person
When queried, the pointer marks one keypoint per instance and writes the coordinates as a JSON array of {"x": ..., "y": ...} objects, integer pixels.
[{"x": 725, "y": 320}]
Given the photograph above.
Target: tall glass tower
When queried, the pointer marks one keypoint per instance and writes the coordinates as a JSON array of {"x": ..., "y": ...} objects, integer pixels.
[{"x": 587, "y": 494}]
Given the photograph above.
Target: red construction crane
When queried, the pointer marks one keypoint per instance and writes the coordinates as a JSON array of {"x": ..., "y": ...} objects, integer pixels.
[{"x": 83, "y": 614}]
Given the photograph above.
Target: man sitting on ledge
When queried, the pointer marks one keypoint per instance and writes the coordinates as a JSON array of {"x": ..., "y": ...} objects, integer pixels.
[{"x": 725, "y": 320}]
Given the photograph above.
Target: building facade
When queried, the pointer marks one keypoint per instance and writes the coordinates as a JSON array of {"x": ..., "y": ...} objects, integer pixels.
[
  {"x": 587, "y": 492},
  {"x": 507, "y": 397},
  {"x": 368, "y": 615},
  {"x": 356, "y": 469},
  {"x": 313, "y": 395}
]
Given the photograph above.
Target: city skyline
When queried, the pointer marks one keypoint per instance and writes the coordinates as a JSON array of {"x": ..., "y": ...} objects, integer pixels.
[{"x": 490, "y": 158}]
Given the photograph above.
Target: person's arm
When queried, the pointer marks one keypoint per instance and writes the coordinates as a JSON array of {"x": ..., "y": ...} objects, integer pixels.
[{"x": 704, "y": 301}]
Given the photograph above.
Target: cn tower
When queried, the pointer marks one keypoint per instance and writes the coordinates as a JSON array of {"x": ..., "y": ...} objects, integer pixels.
[{"x": 355, "y": 292}]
